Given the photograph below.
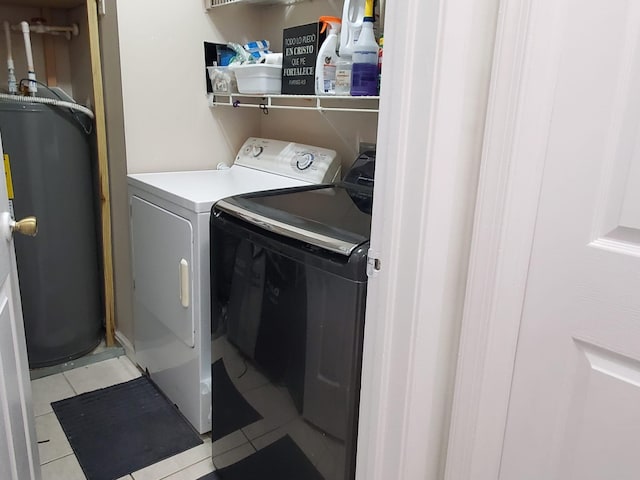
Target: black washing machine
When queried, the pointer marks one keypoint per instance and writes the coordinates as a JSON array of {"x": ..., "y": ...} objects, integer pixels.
[{"x": 288, "y": 280}]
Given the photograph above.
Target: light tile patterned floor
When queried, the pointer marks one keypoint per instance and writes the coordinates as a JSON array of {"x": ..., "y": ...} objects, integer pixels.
[
  {"x": 58, "y": 460},
  {"x": 56, "y": 456}
]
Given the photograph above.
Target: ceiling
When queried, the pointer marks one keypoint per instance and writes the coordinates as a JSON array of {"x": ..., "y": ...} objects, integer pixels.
[{"x": 44, "y": 3}]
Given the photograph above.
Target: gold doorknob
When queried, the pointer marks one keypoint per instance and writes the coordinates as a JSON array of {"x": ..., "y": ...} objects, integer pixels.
[{"x": 26, "y": 226}]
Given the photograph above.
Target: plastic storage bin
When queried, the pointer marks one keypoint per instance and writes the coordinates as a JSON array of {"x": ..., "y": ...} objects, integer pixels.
[
  {"x": 223, "y": 80},
  {"x": 258, "y": 78}
]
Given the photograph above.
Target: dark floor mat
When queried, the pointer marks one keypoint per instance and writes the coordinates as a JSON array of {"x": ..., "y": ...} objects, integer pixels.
[
  {"x": 121, "y": 429},
  {"x": 231, "y": 411},
  {"x": 282, "y": 460}
]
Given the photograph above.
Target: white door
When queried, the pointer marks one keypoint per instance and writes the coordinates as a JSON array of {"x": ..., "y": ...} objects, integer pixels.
[
  {"x": 574, "y": 411},
  {"x": 562, "y": 341},
  {"x": 18, "y": 449}
]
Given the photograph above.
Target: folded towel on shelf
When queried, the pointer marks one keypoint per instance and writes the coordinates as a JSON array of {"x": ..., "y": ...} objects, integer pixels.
[{"x": 258, "y": 49}]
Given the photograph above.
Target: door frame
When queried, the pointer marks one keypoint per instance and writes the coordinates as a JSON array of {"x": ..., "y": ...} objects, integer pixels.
[
  {"x": 430, "y": 134},
  {"x": 519, "y": 114}
]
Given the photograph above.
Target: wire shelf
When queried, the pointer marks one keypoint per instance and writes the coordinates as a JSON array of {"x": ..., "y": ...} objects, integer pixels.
[
  {"x": 296, "y": 102},
  {"x": 220, "y": 3}
]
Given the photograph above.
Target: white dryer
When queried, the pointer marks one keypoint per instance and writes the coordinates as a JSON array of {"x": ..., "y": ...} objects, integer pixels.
[{"x": 170, "y": 252}]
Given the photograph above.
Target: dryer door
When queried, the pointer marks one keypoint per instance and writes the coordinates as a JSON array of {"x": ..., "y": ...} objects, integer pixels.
[{"x": 163, "y": 275}]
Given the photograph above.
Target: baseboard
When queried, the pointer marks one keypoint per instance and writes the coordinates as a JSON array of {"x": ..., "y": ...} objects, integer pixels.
[{"x": 127, "y": 345}]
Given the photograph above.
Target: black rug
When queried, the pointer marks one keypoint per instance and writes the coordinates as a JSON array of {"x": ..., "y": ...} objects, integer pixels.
[
  {"x": 231, "y": 411},
  {"x": 282, "y": 460},
  {"x": 121, "y": 429}
]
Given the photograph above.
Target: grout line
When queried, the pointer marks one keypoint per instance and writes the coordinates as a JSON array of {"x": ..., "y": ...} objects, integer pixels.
[
  {"x": 59, "y": 458},
  {"x": 69, "y": 383},
  {"x": 249, "y": 440},
  {"x": 228, "y": 449},
  {"x": 206, "y": 457},
  {"x": 245, "y": 436},
  {"x": 183, "y": 469},
  {"x": 45, "y": 413},
  {"x": 213, "y": 459}
]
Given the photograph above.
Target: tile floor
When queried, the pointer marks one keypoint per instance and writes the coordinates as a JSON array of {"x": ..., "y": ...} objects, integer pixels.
[
  {"x": 59, "y": 462},
  {"x": 279, "y": 418},
  {"x": 56, "y": 456}
]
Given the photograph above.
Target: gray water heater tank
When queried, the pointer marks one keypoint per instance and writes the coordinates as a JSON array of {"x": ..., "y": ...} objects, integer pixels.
[{"x": 50, "y": 158}]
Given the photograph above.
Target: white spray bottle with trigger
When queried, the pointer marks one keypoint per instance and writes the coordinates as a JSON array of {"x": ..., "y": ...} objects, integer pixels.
[{"x": 327, "y": 57}]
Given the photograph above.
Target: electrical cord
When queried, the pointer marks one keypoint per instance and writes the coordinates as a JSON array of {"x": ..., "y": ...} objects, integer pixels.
[
  {"x": 59, "y": 102},
  {"x": 87, "y": 131}
]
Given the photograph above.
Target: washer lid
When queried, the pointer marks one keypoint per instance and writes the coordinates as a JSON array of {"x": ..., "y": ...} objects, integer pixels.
[
  {"x": 325, "y": 216},
  {"x": 198, "y": 190}
]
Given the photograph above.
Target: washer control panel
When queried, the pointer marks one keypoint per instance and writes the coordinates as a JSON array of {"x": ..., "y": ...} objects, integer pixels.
[{"x": 296, "y": 160}]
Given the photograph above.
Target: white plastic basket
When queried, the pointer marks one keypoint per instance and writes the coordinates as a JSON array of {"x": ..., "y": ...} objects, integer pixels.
[
  {"x": 258, "y": 78},
  {"x": 223, "y": 80}
]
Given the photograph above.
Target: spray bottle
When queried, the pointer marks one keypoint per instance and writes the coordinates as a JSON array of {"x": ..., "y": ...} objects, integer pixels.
[
  {"x": 364, "y": 77},
  {"x": 327, "y": 57},
  {"x": 352, "y": 18}
]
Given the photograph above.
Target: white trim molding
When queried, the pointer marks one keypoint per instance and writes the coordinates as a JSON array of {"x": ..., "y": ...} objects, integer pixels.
[
  {"x": 519, "y": 114},
  {"x": 127, "y": 345},
  {"x": 432, "y": 112}
]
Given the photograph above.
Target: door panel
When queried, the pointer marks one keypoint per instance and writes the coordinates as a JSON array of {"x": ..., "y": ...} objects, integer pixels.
[
  {"x": 618, "y": 200},
  {"x": 8, "y": 455},
  {"x": 574, "y": 411},
  {"x": 606, "y": 437},
  {"x": 162, "y": 269},
  {"x": 12, "y": 385},
  {"x": 19, "y": 458}
]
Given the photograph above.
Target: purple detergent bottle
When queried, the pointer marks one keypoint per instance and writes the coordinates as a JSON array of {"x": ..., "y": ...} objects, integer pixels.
[{"x": 364, "y": 77}]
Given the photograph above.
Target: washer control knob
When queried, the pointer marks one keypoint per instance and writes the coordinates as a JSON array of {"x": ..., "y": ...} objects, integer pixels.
[
  {"x": 257, "y": 150},
  {"x": 304, "y": 160}
]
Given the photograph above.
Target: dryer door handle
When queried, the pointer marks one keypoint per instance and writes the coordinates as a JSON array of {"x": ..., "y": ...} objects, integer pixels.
[{"x": 184, "y": 283}]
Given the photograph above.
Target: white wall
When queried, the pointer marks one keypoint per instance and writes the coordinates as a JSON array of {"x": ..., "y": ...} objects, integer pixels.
[{"x": 168, "y": 124}]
